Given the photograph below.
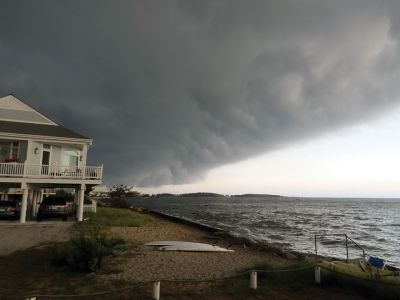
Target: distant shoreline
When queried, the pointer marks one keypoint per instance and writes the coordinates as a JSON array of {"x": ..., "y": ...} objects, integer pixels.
[{"x": 205, "y": 194}]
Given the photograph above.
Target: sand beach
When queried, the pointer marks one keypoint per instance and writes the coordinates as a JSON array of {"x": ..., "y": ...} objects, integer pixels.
[{"x": 145, "y": 263}]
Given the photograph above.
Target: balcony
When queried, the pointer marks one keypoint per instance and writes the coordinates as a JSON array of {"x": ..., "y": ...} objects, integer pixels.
[{"x": 15, "y": 169}]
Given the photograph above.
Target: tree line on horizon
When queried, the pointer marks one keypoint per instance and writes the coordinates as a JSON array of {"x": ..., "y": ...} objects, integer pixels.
[{"x": 122, "y": 190}]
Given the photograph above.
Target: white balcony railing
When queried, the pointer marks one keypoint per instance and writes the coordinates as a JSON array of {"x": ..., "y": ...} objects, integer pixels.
[{"x": 50, "y": 171}]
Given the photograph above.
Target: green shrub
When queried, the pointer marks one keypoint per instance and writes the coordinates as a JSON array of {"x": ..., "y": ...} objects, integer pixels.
[
  {"x": 119, "y": 202},
  {"x": 114, "y": 201},
  {"x": 86, "y": 250}
]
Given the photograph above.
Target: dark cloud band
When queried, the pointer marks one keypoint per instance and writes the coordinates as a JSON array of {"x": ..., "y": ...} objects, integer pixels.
[{"x": 171, "y": 89}]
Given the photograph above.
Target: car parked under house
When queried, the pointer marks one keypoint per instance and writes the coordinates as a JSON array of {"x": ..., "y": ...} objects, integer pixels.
[
  {"x": 54, "y": 207},
  {"x": 10, "y": 209},
  {"x": 37, "y": 154}
]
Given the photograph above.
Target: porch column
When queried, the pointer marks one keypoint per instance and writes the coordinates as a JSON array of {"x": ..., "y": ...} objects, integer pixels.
[
  {"x": 83, "y": 162},
  {"x": 35, "y": 202},
  {"x": 80, "y": 205},
  {"x": 31, "y": 196},
  {"x": 76, "y": 197},
  {"x": 24, "y": 204},
  {"x": 39, "y": 200}
]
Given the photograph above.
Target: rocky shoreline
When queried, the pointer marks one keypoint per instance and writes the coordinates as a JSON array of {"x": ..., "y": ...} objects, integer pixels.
[{"x": 239, "y": 240}]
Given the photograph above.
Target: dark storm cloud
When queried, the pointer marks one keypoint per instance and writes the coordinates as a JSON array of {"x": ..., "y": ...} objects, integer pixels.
[{"x": 171, "y": 89}]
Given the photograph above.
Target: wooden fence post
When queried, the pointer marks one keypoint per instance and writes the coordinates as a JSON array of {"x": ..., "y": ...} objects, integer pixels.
[
  {"x": 253, "y": 280},
  {"x": 318, "y": 274},
  {"x": 94, "y": 206},
  {"x": 156, "y": 290}
]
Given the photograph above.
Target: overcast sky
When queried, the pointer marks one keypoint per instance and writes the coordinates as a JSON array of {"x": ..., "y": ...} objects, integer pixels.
[{"x": 170, "y": 90}]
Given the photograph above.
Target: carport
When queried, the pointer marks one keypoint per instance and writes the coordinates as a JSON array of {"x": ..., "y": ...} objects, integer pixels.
[{"x": 32, "y": 194}]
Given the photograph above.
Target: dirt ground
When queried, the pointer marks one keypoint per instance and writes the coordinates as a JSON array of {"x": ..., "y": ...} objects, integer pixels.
[
  {"x": 15, "y": 236},
  {"x": 145, "y": 263},
  {"x": 27, "y": 269}
]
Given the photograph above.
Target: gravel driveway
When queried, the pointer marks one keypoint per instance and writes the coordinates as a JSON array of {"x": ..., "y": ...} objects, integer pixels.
[{"x": 15, "y": 236}]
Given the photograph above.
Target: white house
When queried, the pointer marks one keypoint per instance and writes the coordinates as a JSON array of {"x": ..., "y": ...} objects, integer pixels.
[{"x": 37, "y": 154}]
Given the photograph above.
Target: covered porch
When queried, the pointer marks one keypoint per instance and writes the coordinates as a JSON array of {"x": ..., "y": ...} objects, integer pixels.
[
  {"x": 45, "y": 159},
  {"x": 33, "y": 193}
]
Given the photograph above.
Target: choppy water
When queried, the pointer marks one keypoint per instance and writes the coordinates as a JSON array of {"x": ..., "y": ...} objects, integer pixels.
[{"x": 293, "y": 222}]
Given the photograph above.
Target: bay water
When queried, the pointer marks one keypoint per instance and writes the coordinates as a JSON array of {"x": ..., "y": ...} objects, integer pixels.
[{"x": 292, "y": 223}]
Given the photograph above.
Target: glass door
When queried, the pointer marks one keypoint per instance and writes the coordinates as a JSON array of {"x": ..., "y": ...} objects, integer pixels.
[{"x": 45, "y": 161}]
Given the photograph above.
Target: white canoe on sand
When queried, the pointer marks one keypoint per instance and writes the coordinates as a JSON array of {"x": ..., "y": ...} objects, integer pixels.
[{"x": 186, "y": 246}]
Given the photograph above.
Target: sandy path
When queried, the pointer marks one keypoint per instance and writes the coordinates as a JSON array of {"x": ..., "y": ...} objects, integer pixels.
[{"x": 14, "y": 237}]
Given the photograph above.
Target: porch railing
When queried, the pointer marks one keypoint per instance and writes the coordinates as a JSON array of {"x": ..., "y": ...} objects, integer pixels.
[{"x": 50, "y": 171}]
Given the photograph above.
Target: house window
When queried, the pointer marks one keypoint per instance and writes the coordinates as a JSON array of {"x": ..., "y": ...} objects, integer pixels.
[
  {"x": 14, "y": 149},
  {"x": 70, "y": 158},
  {"x": 46, "y": 146}
]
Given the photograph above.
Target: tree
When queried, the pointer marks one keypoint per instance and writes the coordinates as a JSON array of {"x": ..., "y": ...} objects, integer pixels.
[{"x": 120, "y": 190}]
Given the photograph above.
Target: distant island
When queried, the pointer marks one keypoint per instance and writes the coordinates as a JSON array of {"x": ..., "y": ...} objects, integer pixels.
[
  {"x": 165, "y": 195},
  {"x": 257, "y": 195},
  {"x": 201, "y": 194}
]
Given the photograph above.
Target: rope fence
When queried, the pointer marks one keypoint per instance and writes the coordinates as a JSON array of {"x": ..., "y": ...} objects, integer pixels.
[
  {"x": 157, "y": 284},
  {"x": 253, "y": 284}
]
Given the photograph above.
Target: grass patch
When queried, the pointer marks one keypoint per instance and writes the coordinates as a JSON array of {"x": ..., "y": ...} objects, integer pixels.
[
  {"x": 298, "y": 274},
  {"x": 290, "y": 265},
  {"x": 374, "y": 283},
  {"x": 107, "y": 216}
]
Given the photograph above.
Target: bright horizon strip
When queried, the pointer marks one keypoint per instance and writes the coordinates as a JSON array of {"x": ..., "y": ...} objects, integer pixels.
[{"x": 359, "y": 161}]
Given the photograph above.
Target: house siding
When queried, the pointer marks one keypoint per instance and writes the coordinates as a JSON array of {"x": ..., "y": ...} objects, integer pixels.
[
  {"x": 34, "y": 159},
  {"x": 27, "y": 116}
]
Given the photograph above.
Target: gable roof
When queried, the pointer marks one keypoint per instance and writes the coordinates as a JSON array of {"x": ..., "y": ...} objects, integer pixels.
[
  {"x": 17, "y": 117},
  {"x": 14, "y": 110}
]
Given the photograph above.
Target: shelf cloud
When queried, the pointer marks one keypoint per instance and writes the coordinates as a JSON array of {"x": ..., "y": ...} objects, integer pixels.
[{"x": 171, "y": 89}]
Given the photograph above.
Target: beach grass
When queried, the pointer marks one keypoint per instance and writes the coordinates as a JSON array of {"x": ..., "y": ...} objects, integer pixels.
[
  {"x": 119, "y": 217},
  {"x": 298, "y": 272}
]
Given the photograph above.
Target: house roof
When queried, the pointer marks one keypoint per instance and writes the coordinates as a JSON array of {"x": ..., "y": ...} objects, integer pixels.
[
  {"x": 19, "y": 118},
  {"x": 39, "y": 129}
]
